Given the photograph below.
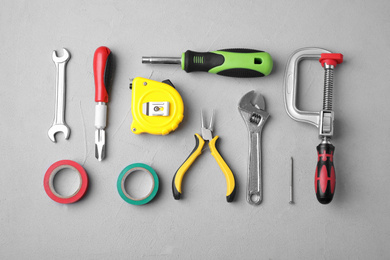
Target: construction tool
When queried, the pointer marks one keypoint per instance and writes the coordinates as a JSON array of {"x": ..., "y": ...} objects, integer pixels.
[
  {"x": 291, "y": 182},
  {"x": 240, "y": 63},
  {"x": 207, "y": 135},
  {"x": 252, "y": 109},
  {"x": 157, "y": 107},
  {"x": 59, "y": 124},
  {"x": 325, "y": 177},
  {"x": 102, "y": 73}
]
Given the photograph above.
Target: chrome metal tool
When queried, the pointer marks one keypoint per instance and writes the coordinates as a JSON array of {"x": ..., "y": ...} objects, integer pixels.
[
  {"x": 291, "y": 181},
  {"x": 59, "y": 124},
  {"x": 252, "y": 109},
  {"x": 325, "y": 177}
]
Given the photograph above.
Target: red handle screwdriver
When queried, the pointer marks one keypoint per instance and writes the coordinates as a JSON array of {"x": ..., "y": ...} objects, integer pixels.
[{"x": 102, "y": 74}]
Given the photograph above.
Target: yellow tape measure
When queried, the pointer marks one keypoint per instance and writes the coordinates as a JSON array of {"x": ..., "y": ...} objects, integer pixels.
[{"x": 157, "y": 107}]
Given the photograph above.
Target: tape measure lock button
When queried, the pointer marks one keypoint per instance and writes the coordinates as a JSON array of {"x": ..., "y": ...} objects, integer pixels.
[
  {"x": 155, "y": 108},
  {"x": 122, "y": 179}
]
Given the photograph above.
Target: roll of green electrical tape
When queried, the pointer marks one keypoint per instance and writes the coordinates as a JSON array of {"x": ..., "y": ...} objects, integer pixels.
[{"x": 126, "y": 172}]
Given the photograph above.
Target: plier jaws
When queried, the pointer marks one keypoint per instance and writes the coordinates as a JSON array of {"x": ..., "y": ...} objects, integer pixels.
[{"x": 207, "y": 132}]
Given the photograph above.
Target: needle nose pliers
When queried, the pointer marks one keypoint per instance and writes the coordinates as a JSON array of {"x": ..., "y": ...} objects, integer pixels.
[{"x": 207, "y": 134}]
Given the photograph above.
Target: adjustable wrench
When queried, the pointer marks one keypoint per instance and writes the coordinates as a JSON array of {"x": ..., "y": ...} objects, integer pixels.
[
  {"x": 252, "y": 109},
  {"x": 59, "y": 124}
]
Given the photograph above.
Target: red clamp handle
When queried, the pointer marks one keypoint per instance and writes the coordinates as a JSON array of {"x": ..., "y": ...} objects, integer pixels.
[
  {"x": 325, "y": 177},
  {"x": 102, "y": 73},
  {"x": 331, "y": 59}
]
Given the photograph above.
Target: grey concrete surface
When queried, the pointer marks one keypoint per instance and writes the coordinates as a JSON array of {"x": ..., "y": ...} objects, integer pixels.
[{"x": 201, "y": 226}]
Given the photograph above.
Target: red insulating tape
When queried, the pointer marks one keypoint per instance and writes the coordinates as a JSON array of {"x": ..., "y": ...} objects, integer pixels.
[{"x": 53, "y": 170}]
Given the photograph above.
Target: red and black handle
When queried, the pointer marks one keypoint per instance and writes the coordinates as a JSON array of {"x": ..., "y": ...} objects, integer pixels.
[
  {"x": 102, "y": 70},
  {"x": 325, "y": 177}
]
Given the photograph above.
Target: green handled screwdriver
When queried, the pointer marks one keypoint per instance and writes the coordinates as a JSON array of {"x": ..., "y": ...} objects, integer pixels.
[{"x": 240, "y": 63}]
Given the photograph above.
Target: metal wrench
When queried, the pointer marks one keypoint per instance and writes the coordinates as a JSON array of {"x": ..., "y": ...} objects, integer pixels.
[
  {"x": 59, "y": 124},
  {"x": 252, "y": 109}
]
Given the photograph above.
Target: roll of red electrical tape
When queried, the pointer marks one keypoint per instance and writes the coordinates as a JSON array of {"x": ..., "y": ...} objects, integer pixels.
[{"x": 53, "y": 170}]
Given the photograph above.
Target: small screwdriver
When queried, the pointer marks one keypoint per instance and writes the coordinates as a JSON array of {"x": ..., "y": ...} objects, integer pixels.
[
  {"x": 239, "y": 63},
  {"x": 102, "y": 75}
]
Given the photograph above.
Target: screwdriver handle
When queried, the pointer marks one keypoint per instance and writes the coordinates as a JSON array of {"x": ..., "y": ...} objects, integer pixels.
[
  {"x": 325, "y": 177},
  {"x": 241, "y": 63},
  {"x": 102, "y": 73}
]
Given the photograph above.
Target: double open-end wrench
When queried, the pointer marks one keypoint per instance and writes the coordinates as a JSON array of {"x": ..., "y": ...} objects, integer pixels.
[
  {"x": 59, "y": 124},
  {"x": 252, "y": 109}
]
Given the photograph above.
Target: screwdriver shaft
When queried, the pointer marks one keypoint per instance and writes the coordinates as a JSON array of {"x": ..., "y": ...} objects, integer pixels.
[
  {"x": 100, "y": 125},
  {"x": 161, "y": 60},
  {"x": 100, "y": 144}
]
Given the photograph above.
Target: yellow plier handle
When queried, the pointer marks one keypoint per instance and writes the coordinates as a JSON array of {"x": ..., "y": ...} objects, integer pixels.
[
  {"x": 230, "y": 181},
  {"x": 178, "y": 177}
]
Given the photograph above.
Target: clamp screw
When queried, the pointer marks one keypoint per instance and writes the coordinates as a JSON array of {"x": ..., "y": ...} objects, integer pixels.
[{"x": 329, "y": 61}]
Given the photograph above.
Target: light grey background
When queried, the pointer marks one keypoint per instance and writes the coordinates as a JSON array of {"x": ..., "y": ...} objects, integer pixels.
[{"x": 202, "y": 225}]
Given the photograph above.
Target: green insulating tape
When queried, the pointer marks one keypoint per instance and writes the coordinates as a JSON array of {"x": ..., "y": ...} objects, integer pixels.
[
  {"x": 126, "y": 172},
  {"x": 244, "y": 61}
]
